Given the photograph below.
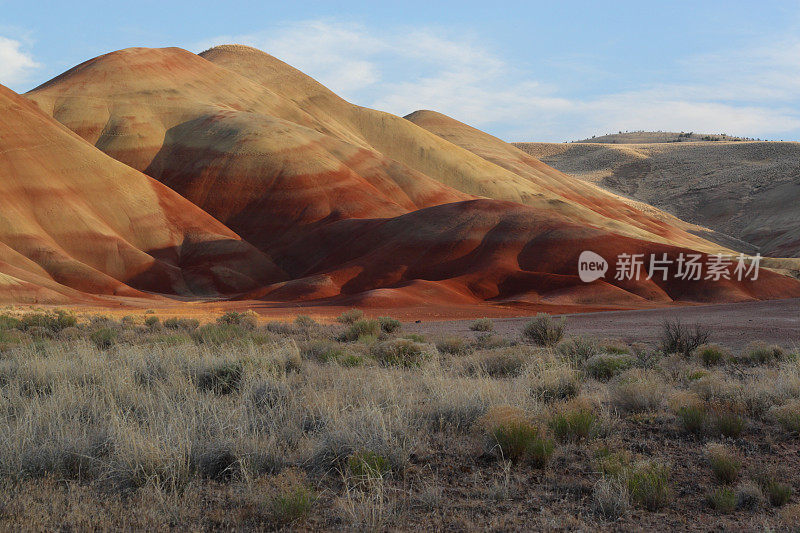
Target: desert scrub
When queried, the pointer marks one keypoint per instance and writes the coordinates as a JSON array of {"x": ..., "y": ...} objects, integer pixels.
[
  {"x": 389, "y": 324},
  {"x": 152, "y": 322},
  {"x": 712, "y": 354},
  {"x": 515, "y": 438},
  {"x": 578, "y": 349},
  {"x": 104, "y": 338},
  {"x": 637, "y": 391},
  {"x": 187, "y": 324},
  {"x": 724, "y": 464},
  {"x": 497, "y": 363},
  {"x": 761, "y": 353},
  {"x": 368, "y": 464},
  {"x": 692, "y": 417},
  {"x": 51, "y": 322},
  {"x": 612, "y": 463},
  {"x": 574, "y": 421},
  {"x": 247, "y": 319},
  {"x": 726, "y": 420},
  {"x": 649, "y": 484},
  {"x": 402, "y": 352},
  {"x": 610, "y": 498},
  {"x": 322, "y": 351},
  {"x": 749, "y": 496},
  {"x": 555, "y": 382},
  {"x": 677, "y": 337},
  {"x": 788, "y": 416},
  {"x": 605, "y": 366},
  {"x": 220, "y": 378},
  {"x": 304, "y": 321},
  {"x": 543, "y": 330},
  {"x": 351, "y": 316},
  {"x": 482, "y": 324},
  {"x": 361, "y": 330},
  {"x": 453, "y": 346},
  {"x": 723, "y": 500},
  {"x": 292, "y": 505}
]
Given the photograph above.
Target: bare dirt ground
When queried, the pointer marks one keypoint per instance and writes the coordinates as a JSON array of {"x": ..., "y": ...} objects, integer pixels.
[{"x": 774, "y": 321}]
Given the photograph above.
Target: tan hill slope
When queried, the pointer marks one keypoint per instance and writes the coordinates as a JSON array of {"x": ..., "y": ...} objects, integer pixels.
[
  {"x": 749, "y": 190},
  {"x": 75, "y": 222}
]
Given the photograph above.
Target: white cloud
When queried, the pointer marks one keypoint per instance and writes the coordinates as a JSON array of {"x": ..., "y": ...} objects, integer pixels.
[
  {"x": 15, "y": 64},
  {"x": 750, "y": 92}
]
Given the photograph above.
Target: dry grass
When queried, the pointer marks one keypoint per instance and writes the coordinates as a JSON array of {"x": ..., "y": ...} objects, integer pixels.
[{"x": 232, "y": 425}]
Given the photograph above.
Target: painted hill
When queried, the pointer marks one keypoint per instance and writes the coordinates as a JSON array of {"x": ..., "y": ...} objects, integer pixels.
[
  {"x": 748, "y": 190},
  {"x": 297, "y": 127},
  {"x": 74, "y": 223},
  {"x": 359, "y": 206}
]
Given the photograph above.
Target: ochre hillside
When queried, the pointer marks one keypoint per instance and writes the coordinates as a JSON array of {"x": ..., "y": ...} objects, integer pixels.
[{"x": 74, "y": 222}]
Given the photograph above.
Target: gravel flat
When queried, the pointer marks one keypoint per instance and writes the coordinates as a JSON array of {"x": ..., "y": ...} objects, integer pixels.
[{"x": 734, "y": 325}]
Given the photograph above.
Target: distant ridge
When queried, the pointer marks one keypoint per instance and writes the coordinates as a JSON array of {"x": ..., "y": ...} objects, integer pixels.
[{"x": 649, "y": 137}]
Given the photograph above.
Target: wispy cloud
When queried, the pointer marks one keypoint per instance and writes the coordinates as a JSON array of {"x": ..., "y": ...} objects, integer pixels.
[
  {"x": 16, "y": 65},
  {"x": 742, "y": 92}
]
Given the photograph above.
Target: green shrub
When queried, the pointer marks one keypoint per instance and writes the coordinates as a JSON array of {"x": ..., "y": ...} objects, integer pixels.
[
  {"x": 723, "y": 500},
  {"x": 728, "y": 423},
  {"x": 501, "y": 363},
  {"x": 292, "y": 506},
  {"x": 482, "y": 324},
  {"x": 247, "y": 319},
  {"x": 401, "y": 352},
  {"x": 712, "y": 354},
  {"x": 222, "y": 378},
  {"x": 104, "y": 338},
  {"x": 368, "y": 464},
  {"x": 52, "y": 322},
  {"x": 612, "y": 464},
  {"x": 724, "y": 465},
  {"x": 573, "y": 424},
  {"x": 187, "y": 324},
  {"x": 649, "y": 485},
  {"x": 322, "y": 351},
  {"x": 389, "y": 324},
  {"x": 218, "y": 334},
  {"x": 679, "y": 338},
  {"x": 9, "y": 322},
  {"x": 543, "y": 330},
  {"x": 520, "y": 441},
  {"x": 350, "y": 316},
  {"x": 361, "y": 330},
  {"x": 605, "y": 366},
  {"x": 778, "y": 494},
  {"x": 692, "y": 418},
  {"x": 760, "y": 353},
  {"x": 152, "y": 322}
]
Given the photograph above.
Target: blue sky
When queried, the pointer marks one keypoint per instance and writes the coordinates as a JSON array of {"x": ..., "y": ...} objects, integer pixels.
[{"x": 548, "y": 71}]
